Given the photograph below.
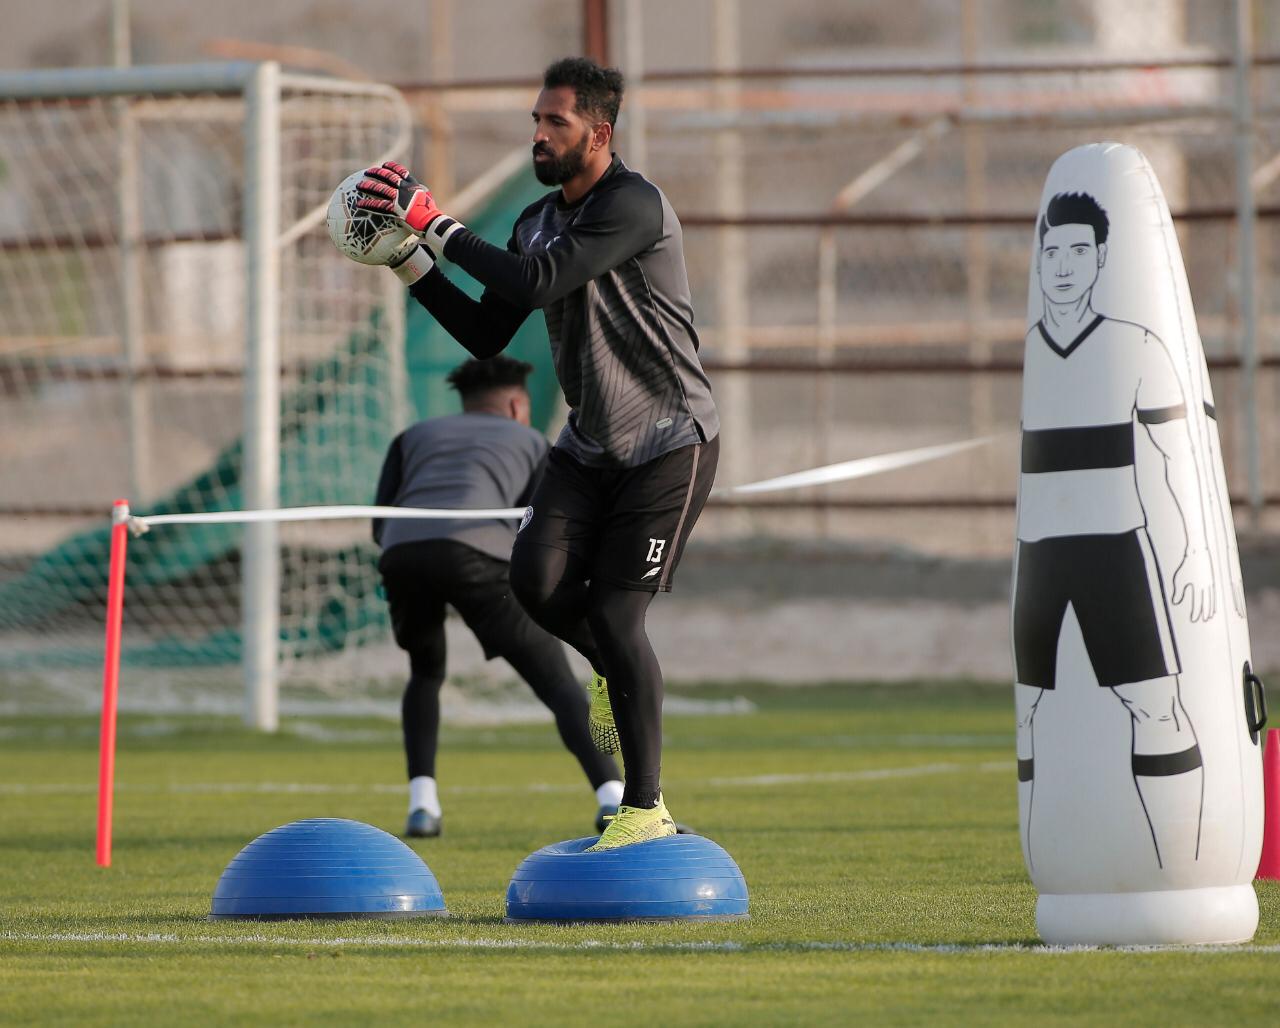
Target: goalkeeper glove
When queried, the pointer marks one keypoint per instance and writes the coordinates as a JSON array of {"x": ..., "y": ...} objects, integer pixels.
[{"x": 391, "y": 189}]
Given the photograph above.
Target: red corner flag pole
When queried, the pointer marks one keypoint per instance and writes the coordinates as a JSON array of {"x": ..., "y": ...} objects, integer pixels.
[
  {"x": 111, "y": 678},
  {"x": 1269, "y": 864}
]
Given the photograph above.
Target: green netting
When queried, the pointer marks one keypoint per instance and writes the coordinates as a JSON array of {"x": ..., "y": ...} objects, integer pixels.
[{"x": 336, "y": 425}]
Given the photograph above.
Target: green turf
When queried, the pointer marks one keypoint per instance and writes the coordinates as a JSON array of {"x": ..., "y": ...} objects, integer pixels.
[{"x": 873, "y": 894}]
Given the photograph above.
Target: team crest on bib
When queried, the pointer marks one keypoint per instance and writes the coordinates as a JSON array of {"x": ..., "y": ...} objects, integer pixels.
[{"x": 528, "y": 516}]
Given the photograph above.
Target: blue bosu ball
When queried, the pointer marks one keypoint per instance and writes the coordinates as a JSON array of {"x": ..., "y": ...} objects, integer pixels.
[
  {"x": 327, "y": 867},
  {"x": 678, "y": 878}
]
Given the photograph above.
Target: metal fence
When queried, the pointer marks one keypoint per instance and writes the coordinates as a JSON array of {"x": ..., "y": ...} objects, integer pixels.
[
  {"x": 857, "y": 182},
  {"x": 857, "y": 227}
]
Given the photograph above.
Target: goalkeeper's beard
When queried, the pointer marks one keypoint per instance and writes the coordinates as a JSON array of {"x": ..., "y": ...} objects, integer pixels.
[{"x": 559, "y": 170}]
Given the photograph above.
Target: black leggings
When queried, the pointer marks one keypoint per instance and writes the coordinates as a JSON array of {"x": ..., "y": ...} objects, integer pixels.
[
  {"x": 606, "y": 624},
  {"x": 420, "y": 578},
  {"x": 548, "y": 675}
]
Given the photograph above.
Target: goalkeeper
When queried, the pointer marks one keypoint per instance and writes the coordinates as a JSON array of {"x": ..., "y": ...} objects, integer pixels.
[
  {"x": 485, "y": 457},
  {"x": 602, "y": 258}
]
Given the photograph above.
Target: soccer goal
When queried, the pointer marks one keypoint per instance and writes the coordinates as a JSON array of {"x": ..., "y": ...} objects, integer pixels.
[{"x": 178, "y": 329}]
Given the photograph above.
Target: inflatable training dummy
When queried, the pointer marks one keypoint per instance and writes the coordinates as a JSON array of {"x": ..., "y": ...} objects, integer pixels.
[{"x": 1139, "y": 757}]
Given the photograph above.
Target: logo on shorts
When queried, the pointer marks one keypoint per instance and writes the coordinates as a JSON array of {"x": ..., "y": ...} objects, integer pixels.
[
  {"x": 656, "y": 547},
  {"x": 651, "y": 572},
  {"x": 528, "y": 516}
]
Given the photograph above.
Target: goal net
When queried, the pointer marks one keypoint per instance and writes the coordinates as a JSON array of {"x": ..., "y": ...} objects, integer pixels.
[{"x": 179, "y": 330}]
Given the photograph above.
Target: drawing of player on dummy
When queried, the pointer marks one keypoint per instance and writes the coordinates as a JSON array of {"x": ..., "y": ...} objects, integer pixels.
[{"x": 1084, "y": 520}]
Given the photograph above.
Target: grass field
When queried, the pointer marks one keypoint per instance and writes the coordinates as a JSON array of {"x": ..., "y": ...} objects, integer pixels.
[{"x": 876, "y": 827}]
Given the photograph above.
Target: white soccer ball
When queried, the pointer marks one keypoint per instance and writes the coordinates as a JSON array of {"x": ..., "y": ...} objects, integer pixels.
[{"x": 364, "y": 236}]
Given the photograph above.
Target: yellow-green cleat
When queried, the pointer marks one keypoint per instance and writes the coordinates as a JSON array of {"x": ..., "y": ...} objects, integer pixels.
[
  {"x": 604, "y": 733},
  {"x": 635, "y": 824}
]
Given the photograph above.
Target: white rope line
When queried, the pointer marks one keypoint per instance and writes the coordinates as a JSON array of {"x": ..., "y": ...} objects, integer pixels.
[{"x": 844, "y": 471}]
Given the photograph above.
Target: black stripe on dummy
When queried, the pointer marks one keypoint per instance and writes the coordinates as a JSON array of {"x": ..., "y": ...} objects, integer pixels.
[
  {"x": 1026, "y": 770},
  {"x": 1156, "y": 765},
  {"x": 1211, "y": 410},
  {"x": 1077, "y": 449},
  {"x": 1160, "y": 415}
]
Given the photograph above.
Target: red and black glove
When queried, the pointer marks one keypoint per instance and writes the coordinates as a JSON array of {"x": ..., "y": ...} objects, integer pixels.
[{"x": 390, "y": 189}]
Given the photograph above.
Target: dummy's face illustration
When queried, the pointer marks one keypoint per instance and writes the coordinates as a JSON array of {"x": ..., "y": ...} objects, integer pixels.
[{"x": 1069, "y": 261}]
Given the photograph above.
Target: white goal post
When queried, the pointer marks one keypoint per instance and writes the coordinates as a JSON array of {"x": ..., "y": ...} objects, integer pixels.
[{"x": 162, "y": 248}]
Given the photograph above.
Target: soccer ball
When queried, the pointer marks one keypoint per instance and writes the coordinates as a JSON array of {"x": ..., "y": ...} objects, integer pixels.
[{"x": 365, "y": 236}]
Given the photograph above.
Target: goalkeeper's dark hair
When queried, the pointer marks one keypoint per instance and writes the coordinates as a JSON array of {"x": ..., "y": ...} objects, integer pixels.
[
  {"x": 473, "y": 378},
  {"x": 598, "y": 91}
]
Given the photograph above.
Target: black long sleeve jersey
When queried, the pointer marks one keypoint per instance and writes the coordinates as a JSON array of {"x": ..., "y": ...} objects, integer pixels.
[{"x": 608, "y": 273}]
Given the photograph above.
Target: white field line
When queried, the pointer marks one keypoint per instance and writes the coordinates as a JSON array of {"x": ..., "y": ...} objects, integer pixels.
[
  {"x": 462, "y": 711},
  {"x": 327, "y": 789},
  {"x": 870, "y": 775},
  {"x": 609, "y": 945},
  {"x": 267, "y": 788}
]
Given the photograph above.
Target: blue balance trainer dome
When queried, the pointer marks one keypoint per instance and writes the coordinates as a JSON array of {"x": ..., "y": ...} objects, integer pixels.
[
  {"x": 679, "y": 878},
  {"x": 327, "y": 867}
]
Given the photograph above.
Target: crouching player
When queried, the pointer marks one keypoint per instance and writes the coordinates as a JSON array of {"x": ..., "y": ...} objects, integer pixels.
[
  {"x": 602, "y": 258},
  {"x": 485, "y": 458}
]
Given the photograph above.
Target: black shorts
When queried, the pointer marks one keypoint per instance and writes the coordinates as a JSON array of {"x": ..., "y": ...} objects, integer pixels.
[
  {"x": 628, "y": 525},
  {"x": 1113, "y": 583},
  {"x": 421, "y": 577}
]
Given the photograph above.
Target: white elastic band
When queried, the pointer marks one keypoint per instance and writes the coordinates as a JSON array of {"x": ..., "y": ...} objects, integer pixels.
[
  {"x": 860, "y": 468},
  {"x": 138, "y": 525},
  {"x": 842, "y": 472}
]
